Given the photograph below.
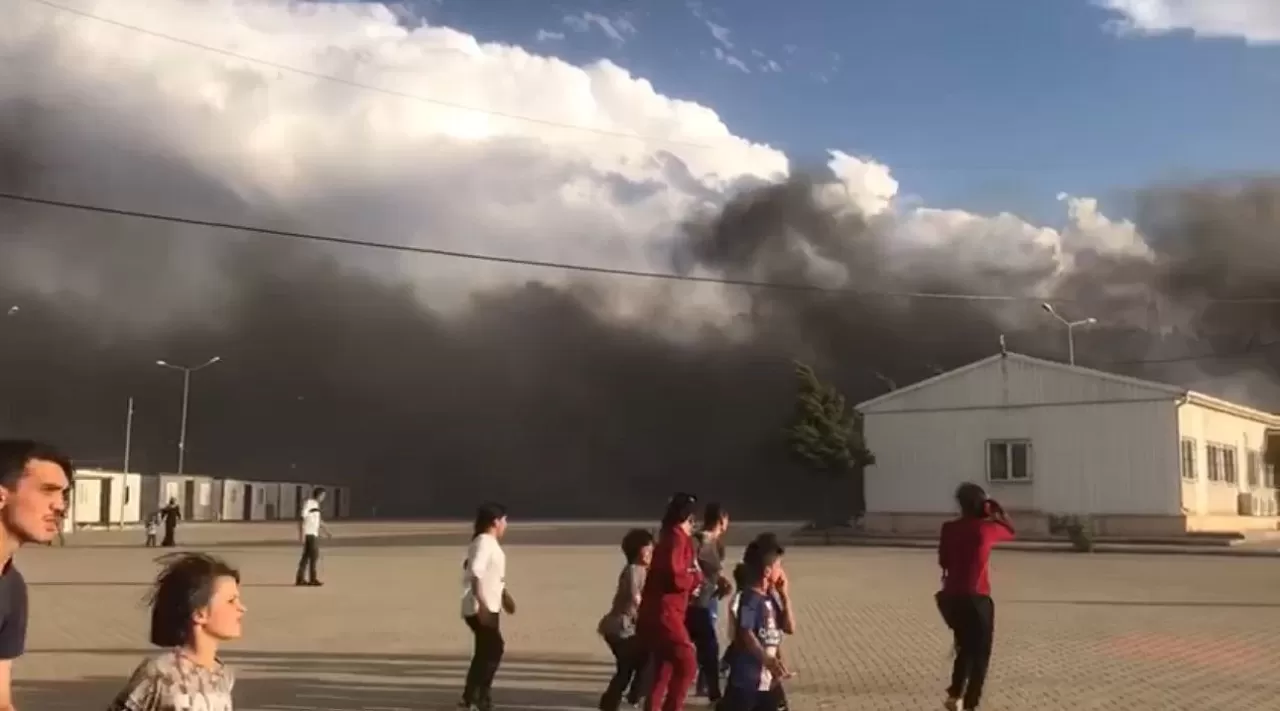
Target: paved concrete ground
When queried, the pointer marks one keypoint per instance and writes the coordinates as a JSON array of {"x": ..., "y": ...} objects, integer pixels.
[{"x": 1074, "y": 632}]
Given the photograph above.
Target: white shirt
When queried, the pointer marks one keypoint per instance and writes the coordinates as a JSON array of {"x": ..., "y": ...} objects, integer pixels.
[
  {"x": 311, "y": 518},
  {"x": 486, "y": 562}
]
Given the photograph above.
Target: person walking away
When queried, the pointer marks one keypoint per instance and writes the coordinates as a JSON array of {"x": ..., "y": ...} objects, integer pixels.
[
  {"x": 756, "y": 669},
  {"x": 618, "y": 626},
  {"x": 34, "y": 480},
  {"x": 171, "y": 514},
  {"x": 964, "y": 554},
  {"x": 484, "y": 598},
  {"x": 660, "y": 621},
  {"x": 195, "y": 607},
  {"x": 310, "y": 527},
  {"x": 153, "y": 527},
  {"x": 703, "y": 609}
]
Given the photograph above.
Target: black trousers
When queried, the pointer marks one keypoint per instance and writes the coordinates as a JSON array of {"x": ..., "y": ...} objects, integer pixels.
[
  {"x": 702, "y": 630},
  {"x": 309, "y": 560},
  {"x": 738, "y": 699},
  {"x": 485, "y": 660},
  {"x": 168, "y": 541},
  {"x": 972, "y": 619},
  {"x": 630, "y": 658}
]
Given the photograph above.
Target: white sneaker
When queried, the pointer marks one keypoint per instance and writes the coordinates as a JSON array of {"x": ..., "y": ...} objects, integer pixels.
[{"x": 951, "y": 704}]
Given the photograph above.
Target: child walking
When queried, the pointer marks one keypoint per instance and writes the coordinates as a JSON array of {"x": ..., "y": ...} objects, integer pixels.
[
  {"x": 964, "y": 554},
  {"x": 153, "y": 528},
  {"x": 618, "y": 626},
  {"x": 756, "y": 669},
  {"x": 195, "y": 607}
]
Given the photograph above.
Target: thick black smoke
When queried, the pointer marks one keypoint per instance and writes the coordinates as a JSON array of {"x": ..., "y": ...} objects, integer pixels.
[{"x": 531, "y": 396}]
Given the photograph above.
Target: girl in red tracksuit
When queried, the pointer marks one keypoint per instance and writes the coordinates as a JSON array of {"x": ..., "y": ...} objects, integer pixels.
[{"x": 660, "y": 621}]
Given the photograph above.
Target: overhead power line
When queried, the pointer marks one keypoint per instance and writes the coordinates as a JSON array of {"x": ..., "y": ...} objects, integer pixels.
[{"x": 498, "y": 259}]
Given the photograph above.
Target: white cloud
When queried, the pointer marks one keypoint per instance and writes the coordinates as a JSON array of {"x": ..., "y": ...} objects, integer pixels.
[
  {"x": 730, "y": 60},
  {"x": 345, "y": 160},
  {"x": 619, "y": 29},
  {"x": 549, "y": 36},
  {"x": 1252, "y": 20},
  {"x": 721, "y": 33}
]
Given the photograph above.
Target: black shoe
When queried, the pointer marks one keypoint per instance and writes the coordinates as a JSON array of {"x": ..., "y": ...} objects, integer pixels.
[{"x": 315, "y": 583}]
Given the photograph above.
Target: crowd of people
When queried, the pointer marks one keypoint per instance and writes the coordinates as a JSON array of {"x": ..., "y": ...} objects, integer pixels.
[
  {"x": 661, "y": 626},
  {"x": 662, "y": 622}
]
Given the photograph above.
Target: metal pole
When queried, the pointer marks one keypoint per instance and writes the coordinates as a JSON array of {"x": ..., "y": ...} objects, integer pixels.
[
  {"x": 128, "y": 445},
  {"x": 1071, "y": 343},
  {"x": 182, "y": 432}
]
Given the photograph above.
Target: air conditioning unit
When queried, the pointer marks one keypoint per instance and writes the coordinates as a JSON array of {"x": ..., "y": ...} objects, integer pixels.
[
  {"x": 1270, "y": 506},
  {"x": 1249, "y": 504}
]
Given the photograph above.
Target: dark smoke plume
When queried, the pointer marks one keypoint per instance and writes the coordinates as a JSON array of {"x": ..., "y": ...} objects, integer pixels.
[{"x": 529, "y": 394}]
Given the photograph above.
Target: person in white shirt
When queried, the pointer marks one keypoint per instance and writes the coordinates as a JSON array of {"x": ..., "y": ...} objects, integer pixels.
[
  {"x": 310, "y": 526},
  {"x": 484, "y": 599}
]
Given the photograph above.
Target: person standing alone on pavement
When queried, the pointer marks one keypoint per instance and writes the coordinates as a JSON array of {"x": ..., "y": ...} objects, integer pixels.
[
  {"x": 310, "y": 526},
  {"x": 673, "y": 576},
  {"x": 484, "y": 598},
  {"x": 34, "y": 480},
  {"x": 964, "y": 554}
]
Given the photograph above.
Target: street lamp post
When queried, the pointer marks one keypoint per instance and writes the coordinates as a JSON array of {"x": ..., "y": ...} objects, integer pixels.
[
  {"x": 186, "y": 396},
  {"x": 1071, "y": 328}
]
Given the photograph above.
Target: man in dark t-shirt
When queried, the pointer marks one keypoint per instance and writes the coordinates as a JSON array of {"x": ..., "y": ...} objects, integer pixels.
[{"x": 34, "y": 479}]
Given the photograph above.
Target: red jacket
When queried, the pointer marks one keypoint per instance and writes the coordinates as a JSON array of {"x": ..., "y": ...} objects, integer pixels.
[
  {"x": 673, "y": 576},
  {"x": 964, "y": 552}
]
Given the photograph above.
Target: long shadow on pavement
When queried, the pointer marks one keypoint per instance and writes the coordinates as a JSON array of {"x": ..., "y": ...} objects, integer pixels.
[{"x": 298, "y": 681}]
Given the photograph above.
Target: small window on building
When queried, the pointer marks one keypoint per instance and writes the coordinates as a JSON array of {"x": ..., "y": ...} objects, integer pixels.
[
  {"x": 1213, "y": 461},
  {"x": 1271, "y": 476},
  {"x": 1008, "y": 460},
  {"x": 1189, "y": 459},
  {"x": 1229, "y": 472},
  {"x": 1253, "y": 468}
]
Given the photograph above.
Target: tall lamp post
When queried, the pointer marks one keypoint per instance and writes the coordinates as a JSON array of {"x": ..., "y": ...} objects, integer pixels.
[
  {"x": 186, "y": 396},
  {"x": 1071, "y": 329}
]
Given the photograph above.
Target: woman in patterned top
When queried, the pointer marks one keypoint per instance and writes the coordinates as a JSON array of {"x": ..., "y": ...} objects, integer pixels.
[{"x": 195, "y": 606}]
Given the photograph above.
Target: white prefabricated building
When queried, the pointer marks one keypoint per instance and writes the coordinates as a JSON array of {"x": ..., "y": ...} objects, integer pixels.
[
  {"x": 105, "y": 498},
  {"x": 1047, "y": 439}
]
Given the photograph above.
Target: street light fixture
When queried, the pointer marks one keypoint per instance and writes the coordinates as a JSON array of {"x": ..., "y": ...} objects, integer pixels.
[
  {"x": 186, "y": 396},
  {"x": 1071, "y": 328}
]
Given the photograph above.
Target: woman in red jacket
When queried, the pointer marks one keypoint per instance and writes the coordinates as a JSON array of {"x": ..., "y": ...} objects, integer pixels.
[{"x": 673, "y": 576}]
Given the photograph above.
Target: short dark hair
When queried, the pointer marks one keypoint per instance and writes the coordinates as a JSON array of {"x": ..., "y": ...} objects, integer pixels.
[
  {"x": 712, "y": 515},
  {"x": 634, "y": 542},
  {"x": 185, "y": 584},
  {"x": 15, "y": 454},
  {"x": 680, "y": 508},
  {"x": 487, "y": 515},
  {"x": 317, "y": 491},
  {"x": 971, "y": 499},
  {"x": 760, "y": 561},
  {"x": 740, "y": 575}
]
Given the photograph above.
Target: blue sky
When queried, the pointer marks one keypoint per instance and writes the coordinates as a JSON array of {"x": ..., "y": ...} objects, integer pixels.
[{"x": 978, "y": 104}]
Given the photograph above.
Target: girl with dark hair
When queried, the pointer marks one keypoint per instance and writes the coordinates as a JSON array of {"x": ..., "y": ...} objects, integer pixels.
[
  {"x": 195, "y": 606},
  {"x": 672, "y": 578},
  {"x": 618, "y": 626},
  {"x": 484, "y": 598},
  {"x": 964, "y": 554}
]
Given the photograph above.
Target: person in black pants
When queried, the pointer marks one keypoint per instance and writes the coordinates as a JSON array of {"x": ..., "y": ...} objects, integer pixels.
[
  {"x": 618, "y": 626},
  {"x": 964, "y": 554},
  {"x": 485, "y": 598},
  {"x": 310, "y": 526}
]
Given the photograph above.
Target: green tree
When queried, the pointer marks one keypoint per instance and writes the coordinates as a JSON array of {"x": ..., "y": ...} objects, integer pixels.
[{"x": 825, "y": 437}]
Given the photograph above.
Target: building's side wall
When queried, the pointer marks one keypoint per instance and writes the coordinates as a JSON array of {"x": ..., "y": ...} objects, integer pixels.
[
  {"x": 232, "y": 500},
  {"x": 1214, "y": 505},
  {"x": 288, "y": 502},
  {"x": 204, "y": 505},
  {"x": 87, "y": 508},
  {"x": 1116, "y": 462},
  {"x": 271, "y": 501},
  {"x": 258, "y": 510}
]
